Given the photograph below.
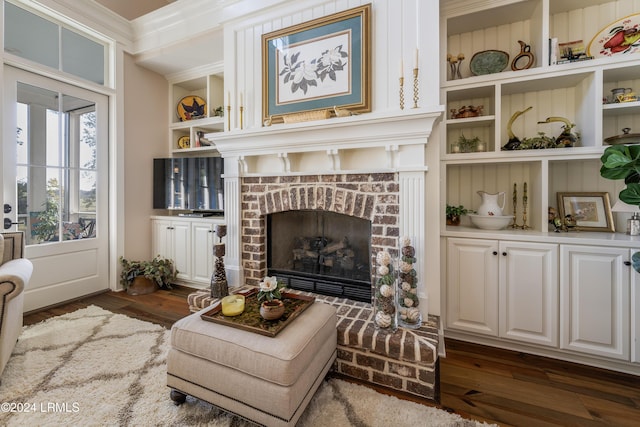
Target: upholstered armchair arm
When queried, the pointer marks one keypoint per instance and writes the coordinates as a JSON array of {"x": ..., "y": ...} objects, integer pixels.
[{"x": 14, "y": 275}]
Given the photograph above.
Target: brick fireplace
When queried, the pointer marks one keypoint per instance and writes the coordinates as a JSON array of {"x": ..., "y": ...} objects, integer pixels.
[
  {"x": 372, "y": 197},
  {"x": 372, "y": 167}
]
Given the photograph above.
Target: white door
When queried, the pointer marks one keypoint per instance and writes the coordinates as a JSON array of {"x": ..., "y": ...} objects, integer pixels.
[
  {"x": 529, "y": 292},
  {"x": 635, "y": 311},
  {"x": 202, "y": 257},
  {"x": 55, "y": 184},
  {"x": 472, "y": 285},
  {"x": 594, "y": 300}
]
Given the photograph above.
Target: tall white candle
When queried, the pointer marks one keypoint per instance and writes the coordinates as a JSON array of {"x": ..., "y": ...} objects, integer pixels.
[
  {"x": 401, "y": 68},
  {"x": 229, "y": 98},
  {"x": 241, "y": 99},
  {"x": 415, "y": 65}
]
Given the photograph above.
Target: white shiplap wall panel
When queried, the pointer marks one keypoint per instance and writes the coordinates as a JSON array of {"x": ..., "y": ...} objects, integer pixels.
[{"x": 395, "y": 26}]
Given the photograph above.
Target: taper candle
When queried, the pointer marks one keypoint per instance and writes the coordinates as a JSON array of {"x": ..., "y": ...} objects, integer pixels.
[
  {"x": 229, "y": 98},
  {"x": 401, "y": 68},
  {"x": 415, "y": 65}
]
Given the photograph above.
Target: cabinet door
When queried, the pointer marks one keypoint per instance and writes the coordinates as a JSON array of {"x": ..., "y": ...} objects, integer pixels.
[
  {"x": 202, "y": 259},
  {"x": 529, "y": 292},
  {"x": 594, "y": 300},
  {"x": 635, "y": 312},
  {"x": 162, "y": 242},
  {"x": 472, "y": 285},
  {"x": 181, "y": 234}
]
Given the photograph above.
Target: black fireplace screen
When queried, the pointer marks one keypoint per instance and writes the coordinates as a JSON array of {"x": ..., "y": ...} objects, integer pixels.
[{"x": 323, "y": 252}]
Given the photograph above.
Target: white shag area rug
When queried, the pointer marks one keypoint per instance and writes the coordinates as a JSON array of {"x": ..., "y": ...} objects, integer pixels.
[{"x": 96, "y": 368}]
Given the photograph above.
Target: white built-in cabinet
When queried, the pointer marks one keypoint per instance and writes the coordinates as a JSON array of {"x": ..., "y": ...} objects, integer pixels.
[
  {"x": 528, "y": 294},
  {"x": 580, "y": 300},
  {"x": 504, "y": 289},
  {"x": 189, "y": 243},
  {"x": 172, "y": 239},
  {"x": 202, "y": 255},
  {"x": 472, "y": 286},
  {"x": 595, "y": 300}
]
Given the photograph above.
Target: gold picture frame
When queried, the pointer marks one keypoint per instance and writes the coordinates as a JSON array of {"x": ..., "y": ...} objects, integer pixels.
[
  {"x": 590, "y": 210},
  {"x": 318, "y": 65}
]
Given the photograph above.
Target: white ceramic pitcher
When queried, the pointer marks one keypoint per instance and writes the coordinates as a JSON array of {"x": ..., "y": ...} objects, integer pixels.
[{"x": 490, "y": 205}]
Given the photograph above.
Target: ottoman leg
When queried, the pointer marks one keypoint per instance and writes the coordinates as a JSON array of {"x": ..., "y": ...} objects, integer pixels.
[{"x": 178, "y": 397}]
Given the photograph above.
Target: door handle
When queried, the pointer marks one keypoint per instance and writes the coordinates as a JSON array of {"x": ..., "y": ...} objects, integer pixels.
[
  {"x": 8, "y": 223},
  {"x": 7, "y": 208}
]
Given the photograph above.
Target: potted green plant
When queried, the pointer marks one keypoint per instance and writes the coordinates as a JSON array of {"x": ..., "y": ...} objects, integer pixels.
[
  {"x": 454, "y": 213},
  {"x": 468, "y": 145},
  {"x": 623, "y": 162},
  {"x": 140, "y": 277}
]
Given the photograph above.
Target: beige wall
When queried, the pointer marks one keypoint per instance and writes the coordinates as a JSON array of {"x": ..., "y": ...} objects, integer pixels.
[{"x": 145, "y": 133}]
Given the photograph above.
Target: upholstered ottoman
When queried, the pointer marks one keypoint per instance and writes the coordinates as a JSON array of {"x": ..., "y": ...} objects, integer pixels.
[{"x": 268, "y": 380}]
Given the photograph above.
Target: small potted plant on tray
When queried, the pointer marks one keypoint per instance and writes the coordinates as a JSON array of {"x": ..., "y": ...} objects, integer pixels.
[
  {"x": 454, "y": 213},
  {"x": 143, "y": 277},
  {"x": 272, "y": 307}
]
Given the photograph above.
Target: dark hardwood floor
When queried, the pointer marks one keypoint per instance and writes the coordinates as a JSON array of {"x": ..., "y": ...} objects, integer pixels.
[{"x": 478, "y": 382}]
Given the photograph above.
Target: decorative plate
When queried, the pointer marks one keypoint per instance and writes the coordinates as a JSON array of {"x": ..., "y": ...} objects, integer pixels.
[
  {"x": 488, "y": 62},
  {"x": 184, "y": 142},
  {"x": 619, "y": 37},
  {"x": 191, "y": 107}
]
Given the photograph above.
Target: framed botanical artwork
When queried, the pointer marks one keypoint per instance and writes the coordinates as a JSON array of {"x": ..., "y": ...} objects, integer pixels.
[
  {"x": 591, "y": 211},
  {"x": 318, "y": 65}
]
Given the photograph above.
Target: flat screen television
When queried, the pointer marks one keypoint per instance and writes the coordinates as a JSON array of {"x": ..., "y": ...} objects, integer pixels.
[{"x": 189, "y": 183}]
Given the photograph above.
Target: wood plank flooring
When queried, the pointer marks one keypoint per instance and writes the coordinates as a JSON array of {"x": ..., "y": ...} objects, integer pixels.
[{"x": 478, "y": 382}]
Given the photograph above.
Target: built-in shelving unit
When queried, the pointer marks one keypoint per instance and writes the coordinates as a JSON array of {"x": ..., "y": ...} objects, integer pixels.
[
  {"x": 208, "y": 86},
  {"x": 574, "y": 91},
  {"x": 490, "y": 296}
]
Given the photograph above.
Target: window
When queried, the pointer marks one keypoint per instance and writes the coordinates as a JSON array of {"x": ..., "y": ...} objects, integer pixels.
[{"x": 53, "y": 45}]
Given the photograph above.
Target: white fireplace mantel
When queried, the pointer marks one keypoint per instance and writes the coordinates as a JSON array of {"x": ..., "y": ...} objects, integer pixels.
[{"x": 406, "y": 127}]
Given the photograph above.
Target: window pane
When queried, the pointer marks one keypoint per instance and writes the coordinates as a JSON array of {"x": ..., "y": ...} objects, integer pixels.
[
  {"x": 45, "y": 216},
  {"x": 22, "y": 186},
  {"x": 30, "y": 36},
  {"x": 22, "y": 138},
  {"x": 54, "y": 139},
  {"x": 88, "y": 140},
  {"x": 82, "y": 57}
]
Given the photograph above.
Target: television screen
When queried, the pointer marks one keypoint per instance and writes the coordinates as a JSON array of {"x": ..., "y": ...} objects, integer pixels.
[{"x": 193, "y": 183}]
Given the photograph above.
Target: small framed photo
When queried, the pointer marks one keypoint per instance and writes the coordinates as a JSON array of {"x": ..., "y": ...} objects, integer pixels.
[
  {"x": 591, "y": 211},
  {"x": 318, "y": 65}
]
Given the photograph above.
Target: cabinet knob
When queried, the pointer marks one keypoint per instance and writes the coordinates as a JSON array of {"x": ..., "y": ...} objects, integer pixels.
[
  {"x": 504, "y": 254},
  {"x": 627, "y": 263},
  {"x": 495, "y": 252}
]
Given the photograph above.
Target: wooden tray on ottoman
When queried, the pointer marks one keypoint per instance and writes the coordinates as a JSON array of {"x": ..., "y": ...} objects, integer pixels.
[{"x": 250, "y": 319}]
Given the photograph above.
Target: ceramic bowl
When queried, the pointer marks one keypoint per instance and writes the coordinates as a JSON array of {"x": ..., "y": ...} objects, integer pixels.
[{"x": 490, "y": 222}]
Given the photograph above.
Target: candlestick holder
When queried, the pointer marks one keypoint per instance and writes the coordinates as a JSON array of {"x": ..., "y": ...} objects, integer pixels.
[
  {"x": 402, "y": 93},
  {"x": 219, "y": 284},
  {"x": 515, "y": 205},
  {"x": 228, "y": 117},
  {"x": 415, "y": 88},
  {"x": 525, "y": 201},
  {"x": 241, "y": 116}
]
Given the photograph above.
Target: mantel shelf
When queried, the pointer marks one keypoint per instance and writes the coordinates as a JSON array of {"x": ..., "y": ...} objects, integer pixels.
[{"x": 361, "y": 131}]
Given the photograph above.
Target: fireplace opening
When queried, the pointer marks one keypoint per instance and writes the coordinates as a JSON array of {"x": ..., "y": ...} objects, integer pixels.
[{"x": 322, "y": 252}]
